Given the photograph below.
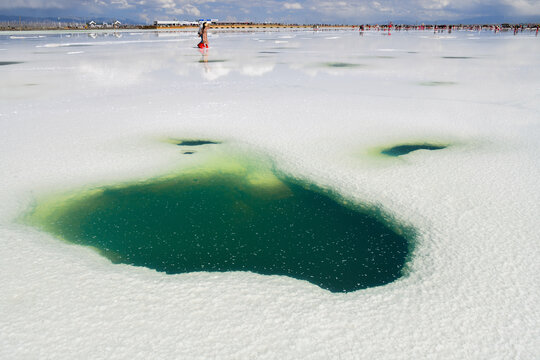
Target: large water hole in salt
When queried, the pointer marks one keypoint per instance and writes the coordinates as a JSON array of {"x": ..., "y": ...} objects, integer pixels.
[{"x": 233, "y": 218}]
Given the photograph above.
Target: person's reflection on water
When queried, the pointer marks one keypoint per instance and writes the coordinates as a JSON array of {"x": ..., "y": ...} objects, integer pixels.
[{"x": 204, "y": 59}]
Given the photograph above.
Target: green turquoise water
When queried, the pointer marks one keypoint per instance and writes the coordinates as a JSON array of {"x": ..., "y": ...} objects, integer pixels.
[
  {"x": 232, "y": 221},
  {"x": 5, "y": 63},
  {"x": 341, "y": 65},
  {"x": 405, "y": 149},
  {"x": 195, "y": 142}
]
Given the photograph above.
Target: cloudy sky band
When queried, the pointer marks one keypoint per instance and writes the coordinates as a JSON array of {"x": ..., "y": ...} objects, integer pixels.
[{"x": 299, "y": 11}]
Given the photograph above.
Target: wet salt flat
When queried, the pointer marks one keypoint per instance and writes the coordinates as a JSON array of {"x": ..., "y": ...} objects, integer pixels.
[{"x": 84, "y": 112}]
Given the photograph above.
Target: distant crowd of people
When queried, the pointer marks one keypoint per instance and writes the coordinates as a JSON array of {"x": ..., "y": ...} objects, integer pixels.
[
  {"x": 449, "y": 28},
  {"x": 203, "y": 29}
]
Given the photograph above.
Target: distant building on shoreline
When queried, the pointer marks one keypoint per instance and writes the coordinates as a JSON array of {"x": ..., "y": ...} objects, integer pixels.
[
  {"x": 177, "y": 23},
  {"x": 93, "y": 25},
  {"x": 171, "y": 23}
]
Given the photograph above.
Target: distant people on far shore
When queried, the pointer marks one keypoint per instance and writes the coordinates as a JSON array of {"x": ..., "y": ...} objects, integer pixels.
[{"x": 450, "y": 28}]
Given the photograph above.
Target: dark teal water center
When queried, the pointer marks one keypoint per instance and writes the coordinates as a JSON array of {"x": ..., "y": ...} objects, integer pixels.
[
  {"x": 227, "y": 221},
  {"x": 405, "y": 149}
]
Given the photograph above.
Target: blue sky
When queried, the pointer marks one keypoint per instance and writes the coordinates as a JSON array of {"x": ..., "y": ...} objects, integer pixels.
[{"x": 292, "y": 11}]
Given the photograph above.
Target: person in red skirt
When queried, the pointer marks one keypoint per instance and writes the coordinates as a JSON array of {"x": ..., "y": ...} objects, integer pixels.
[{"x": 203, "y": 33}]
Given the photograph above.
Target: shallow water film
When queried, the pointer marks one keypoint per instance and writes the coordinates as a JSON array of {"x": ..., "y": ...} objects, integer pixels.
[{"x": 232, "y": 222}]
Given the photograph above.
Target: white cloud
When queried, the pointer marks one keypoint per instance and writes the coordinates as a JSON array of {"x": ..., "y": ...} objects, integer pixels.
[
  {"x": 434, "y": 4},
  {"x": 525, "y": 7},
  {"x": 174, "y": 7},
  {"x": 191, "y": 10},
  {"x": 292, "y": 6},
  {"x": 353, "y": 11},
  {"x": 144, "y": 17},
  {"x": 380, "y": 7},
  {"x": 35, "y": 4},
  {"x": 122, "y": 4},
  {"x": 165, "y": 4}
]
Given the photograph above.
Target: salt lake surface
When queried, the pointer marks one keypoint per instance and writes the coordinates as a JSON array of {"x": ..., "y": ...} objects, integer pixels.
[{"x": 81, "y": 112}]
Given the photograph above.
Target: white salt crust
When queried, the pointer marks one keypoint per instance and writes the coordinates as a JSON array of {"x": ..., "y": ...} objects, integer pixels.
[{"x": 74, "y": 122}]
